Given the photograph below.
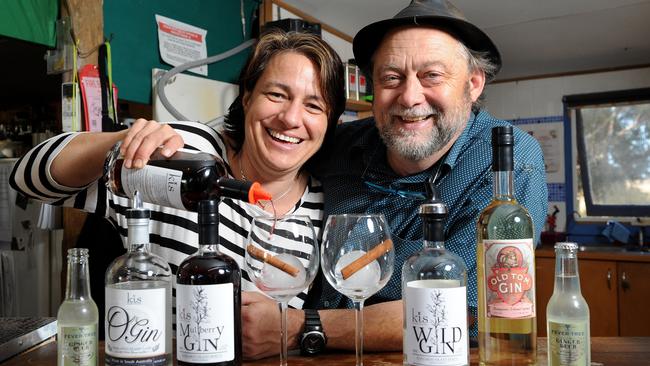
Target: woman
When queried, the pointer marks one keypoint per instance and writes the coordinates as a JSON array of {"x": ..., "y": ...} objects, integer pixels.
[{"x": 290, "y": 98}]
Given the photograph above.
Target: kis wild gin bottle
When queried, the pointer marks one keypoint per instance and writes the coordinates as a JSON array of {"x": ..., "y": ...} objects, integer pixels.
[
  {"x": 208, "y": 300},
  {"x": 138, "y": 324},
  {"x": 77, "y": 317},
  {"x": 179, "y": 181},
  {"x": 505, "y": 268},
  {"x": 567, "y": 313},
  {"x": 434, "y": 289}
]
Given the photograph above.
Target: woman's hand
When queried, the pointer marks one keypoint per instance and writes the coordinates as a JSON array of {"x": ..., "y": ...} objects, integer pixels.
[{"x": 146, "y": 136}]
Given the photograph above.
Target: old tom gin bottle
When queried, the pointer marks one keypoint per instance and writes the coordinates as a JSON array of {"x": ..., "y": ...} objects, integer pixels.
[
  {"x": 567, "y": 313},
  {"x": 505, "y": 268},
  {"x": 77, "y": 317},
  {"x": 434, "y": 289}
]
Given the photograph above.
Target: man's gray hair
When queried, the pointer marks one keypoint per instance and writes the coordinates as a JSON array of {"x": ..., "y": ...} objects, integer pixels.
[{"x": 477, "y": 60}]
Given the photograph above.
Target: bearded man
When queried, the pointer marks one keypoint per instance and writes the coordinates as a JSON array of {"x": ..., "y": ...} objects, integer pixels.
[{"x": 428, "y": 66}]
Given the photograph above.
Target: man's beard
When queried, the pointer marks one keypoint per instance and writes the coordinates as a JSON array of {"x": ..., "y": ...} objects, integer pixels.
[{"x": 418, "y": 145}]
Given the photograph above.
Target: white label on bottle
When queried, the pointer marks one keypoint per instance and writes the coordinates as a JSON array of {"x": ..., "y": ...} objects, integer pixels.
[
  {"x": 78, "y": 345},
  {"x": 205, "y": 323},
  {"x": 156, "y": 185},
  {"x": 435, "y": 323},
  {"x": 509, "y": 278},
  {"x": 135, "y": 323},
  {"x": 568, "y": 343}
]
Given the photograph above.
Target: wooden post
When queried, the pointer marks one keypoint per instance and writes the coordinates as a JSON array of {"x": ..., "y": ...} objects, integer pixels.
[{"x": 87, "y": 17}]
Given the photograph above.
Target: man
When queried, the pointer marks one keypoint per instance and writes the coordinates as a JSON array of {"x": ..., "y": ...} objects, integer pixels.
[{"x": 428, "y": 67}]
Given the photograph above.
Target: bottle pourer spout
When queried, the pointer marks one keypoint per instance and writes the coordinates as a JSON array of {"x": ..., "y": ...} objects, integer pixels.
[
  {"x": 256, "y": 193},
  {"x": 137, "y": 200},
  {"x": 137, "y": 210},
  {"x": 432, "y": 192},
  {"x": 433, "y": 206}
]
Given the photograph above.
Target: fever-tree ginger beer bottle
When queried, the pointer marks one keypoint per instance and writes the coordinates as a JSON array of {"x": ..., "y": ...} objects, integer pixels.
[
  {"x": 77, "y": 316},
  {"x": 567, "y": 313}
]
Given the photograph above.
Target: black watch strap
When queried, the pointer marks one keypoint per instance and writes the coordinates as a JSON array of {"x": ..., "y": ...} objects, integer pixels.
[
  {"x": 313, "y": 340},
  {"x": 312, "y": 320}
]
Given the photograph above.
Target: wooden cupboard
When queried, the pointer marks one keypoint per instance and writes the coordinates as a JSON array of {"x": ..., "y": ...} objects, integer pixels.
[{"x": 615, "y": 284}]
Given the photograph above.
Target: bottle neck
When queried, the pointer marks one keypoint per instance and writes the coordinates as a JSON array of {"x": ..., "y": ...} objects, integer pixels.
[
  {"x": 138, "y": 235},
  {"x": 566, "y": 272},
  {"x": 503, "y": 185},
  {"x": 208, "y": 238},
  {"x": 433, "y": 233},
  {"x": 208, "y": 220},
  {"x": 78, "y": 280}
]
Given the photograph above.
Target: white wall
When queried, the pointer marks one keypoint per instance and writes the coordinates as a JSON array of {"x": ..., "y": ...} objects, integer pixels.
[
  {"x": 543, "y": 97},
  {"x": 536, "y": 106}
]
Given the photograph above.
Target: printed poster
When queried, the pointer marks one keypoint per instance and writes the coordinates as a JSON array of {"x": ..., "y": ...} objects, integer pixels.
[{"x": 180, "y": 43}]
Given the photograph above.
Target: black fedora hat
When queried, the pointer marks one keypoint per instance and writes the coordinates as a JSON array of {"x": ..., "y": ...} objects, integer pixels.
[{"x": 440, "y": 14}]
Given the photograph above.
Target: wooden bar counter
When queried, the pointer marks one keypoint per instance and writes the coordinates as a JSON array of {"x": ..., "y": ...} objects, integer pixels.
[{"x": 605, "y": 351}]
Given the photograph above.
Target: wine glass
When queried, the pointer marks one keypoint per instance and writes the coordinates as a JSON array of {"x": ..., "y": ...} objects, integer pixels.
[
  {"x": 357, "y": 258},
  {"x": 282, "y": 260}
]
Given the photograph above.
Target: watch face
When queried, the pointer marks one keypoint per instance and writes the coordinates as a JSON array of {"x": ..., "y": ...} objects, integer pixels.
[{"x": 312, "y": 343}]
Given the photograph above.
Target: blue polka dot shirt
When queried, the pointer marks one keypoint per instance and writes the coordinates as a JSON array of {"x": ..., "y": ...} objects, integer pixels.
[{"x": 464, "y": 183}]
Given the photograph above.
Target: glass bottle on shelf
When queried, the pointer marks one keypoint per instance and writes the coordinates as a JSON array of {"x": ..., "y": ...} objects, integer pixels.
[
  {"x": 505, "y": 267},
  {"x": 138, "y": 325},
  {"x": 567, "y": 312},
  {"x": 208, "y": 300},
  {"x": 179, "y": 181},
  {"x": 434, "y": 289},
  {"x": 77, "y": 316}
]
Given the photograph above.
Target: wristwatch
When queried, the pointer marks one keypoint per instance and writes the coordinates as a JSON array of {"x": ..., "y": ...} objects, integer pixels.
[{"x": 313, "y": 339}]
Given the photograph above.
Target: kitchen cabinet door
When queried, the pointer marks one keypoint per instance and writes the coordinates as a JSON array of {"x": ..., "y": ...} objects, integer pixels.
[
  {"x": 598, "y": 281},
  {"x": 633, "y": 298}
]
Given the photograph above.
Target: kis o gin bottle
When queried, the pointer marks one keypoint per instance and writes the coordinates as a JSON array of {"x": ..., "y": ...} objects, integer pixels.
[{"x": 138, "y": 284}]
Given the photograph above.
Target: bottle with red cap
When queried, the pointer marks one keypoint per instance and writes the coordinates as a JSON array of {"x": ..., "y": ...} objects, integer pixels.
[{"x": 179, "y": 181}]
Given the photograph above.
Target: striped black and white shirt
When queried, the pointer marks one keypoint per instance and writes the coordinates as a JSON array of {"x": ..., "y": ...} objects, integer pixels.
[{"x": 173, "y": 232}]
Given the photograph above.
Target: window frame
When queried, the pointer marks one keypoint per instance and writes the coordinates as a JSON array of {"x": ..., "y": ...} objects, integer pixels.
[{"x": 591, "y": 225}]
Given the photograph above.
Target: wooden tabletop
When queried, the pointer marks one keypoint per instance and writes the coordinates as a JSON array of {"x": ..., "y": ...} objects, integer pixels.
[{"x": 605, "y": 351}]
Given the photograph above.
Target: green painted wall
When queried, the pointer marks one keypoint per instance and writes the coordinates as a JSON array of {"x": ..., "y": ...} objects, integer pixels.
[
  {"x": 30, "y": 20},
  {"x": 134, "y": 46}
]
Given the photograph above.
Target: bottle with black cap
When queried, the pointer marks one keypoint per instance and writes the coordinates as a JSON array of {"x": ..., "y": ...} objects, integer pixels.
[
  {"x": 138, "y": 325},
  {"x": 208, "y": 299},
  {"x": 505, "y": 261},
  {"x": 434, "y": 290},
  {"x": 178, "y": 181}
]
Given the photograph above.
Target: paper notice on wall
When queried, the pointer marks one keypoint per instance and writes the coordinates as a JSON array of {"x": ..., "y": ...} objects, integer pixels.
[
  {"x": 551, "y": 139},
  {"x": 180, "y": 43}
]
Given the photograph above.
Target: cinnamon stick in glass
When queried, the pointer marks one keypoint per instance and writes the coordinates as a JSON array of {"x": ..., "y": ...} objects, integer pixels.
[
  {"x": 367, "y": 258},
  {"x": 275, "y": 262}
]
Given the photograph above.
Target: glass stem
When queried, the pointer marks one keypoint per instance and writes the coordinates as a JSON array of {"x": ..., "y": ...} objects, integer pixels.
[
  {"x": 358, "y": 338},
  {"x": 283, "y": 333}
]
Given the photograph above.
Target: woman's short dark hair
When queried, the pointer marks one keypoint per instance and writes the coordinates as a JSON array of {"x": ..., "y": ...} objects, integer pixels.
[{"x": 326, "y": 61}]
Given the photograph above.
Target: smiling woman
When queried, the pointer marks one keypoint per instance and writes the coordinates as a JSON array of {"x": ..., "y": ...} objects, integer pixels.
[
  {"x": 290, "y": 98},
  {"x": 291, "y": 94}
]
